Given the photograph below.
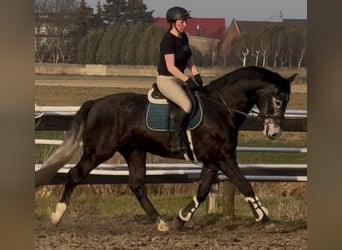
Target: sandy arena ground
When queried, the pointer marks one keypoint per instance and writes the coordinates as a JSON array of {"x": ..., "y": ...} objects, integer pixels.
[{"x": 137, "y": 232}]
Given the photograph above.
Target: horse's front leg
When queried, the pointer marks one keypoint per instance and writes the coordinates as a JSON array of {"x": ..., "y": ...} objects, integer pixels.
[
  {"x": 231, "y": 169},
  {"x": 208, "y": 174}
]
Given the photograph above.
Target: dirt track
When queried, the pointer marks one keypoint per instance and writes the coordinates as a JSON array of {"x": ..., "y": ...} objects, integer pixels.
[{"x": 137, "y": 232}]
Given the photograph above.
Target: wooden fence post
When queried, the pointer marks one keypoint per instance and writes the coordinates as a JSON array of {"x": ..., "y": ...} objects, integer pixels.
[
  {"x": 228, "y": 198},
  {"x": 213, "y": 196}
]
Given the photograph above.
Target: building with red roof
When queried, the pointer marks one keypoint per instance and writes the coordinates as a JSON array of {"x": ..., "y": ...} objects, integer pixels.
[{"x": 202, "y": 27}]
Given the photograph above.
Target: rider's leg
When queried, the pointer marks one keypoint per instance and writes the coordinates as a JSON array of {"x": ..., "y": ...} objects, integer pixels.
[
  {"x": 178, "y": 137},
  {"x": 171, "y": 88}
]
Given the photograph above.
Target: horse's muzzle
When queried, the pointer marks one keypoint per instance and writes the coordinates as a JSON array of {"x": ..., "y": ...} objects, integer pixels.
[{"x": 272, "y": 128}]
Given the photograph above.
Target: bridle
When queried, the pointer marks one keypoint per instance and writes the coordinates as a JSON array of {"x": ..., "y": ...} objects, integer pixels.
[
  {"x": 232, "y": 110},
  {"x": 256, "y": 114}
]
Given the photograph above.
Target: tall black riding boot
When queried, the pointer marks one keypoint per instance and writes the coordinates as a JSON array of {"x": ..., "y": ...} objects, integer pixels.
[{"x": 178, "y": 136}]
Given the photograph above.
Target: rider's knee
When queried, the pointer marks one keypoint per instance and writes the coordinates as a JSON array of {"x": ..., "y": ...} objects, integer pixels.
[{"x": 187, "y": 106}]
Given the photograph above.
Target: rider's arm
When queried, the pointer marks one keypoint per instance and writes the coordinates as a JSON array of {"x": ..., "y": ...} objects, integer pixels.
[
  {"x": 191, "y": 66},
  {"x": 170, "y": 64}
]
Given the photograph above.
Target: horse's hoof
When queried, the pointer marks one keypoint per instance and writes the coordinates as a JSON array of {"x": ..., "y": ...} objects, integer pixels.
[
  {"x": 178, "y": 224},
  {"x": 162, "y": 226},
  {"x": 56, "y": 216},
  {"x": 265, "y": 219}
]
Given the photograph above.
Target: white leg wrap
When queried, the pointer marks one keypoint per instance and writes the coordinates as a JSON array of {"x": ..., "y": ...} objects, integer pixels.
[
  {"x": 184, "y": 218},
  {"x": 56, "y": 216},
  {"x": 188, "y": 133},
  {"x": 189, "y": 214},
  {"x": 196, "y": 201},
  {"x": 260, "y": 210}
]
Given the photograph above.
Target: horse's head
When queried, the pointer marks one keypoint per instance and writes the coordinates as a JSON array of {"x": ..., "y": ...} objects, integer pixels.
[{"x": 272, "y": 106}]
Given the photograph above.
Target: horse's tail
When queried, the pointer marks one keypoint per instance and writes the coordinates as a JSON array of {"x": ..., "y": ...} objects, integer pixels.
[{"x": 66, "y": 150}]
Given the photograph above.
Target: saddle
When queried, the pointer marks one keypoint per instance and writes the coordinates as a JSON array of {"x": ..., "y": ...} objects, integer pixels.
[
  {"x": 155, "y": 96},
  {"x": 160, "y": 110}
]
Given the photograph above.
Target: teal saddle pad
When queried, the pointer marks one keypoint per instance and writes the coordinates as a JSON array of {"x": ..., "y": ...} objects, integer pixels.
[{"x": 157, "y": 117}]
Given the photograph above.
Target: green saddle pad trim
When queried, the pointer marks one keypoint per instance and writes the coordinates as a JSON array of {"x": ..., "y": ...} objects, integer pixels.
[{"x": 157, "y": 117}]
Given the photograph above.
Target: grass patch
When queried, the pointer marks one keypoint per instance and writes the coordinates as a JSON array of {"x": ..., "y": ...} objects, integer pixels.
[
  {"x": 61, "y": 95},
  {"x": 75, "y": 96},
  {"x": 257, "y": 139},
  {"x": 212, "y": 218},
  {"x": 42, "y": 152},
  {"x": 92, "y": 77},
  {"x": 280, "y": 208}
]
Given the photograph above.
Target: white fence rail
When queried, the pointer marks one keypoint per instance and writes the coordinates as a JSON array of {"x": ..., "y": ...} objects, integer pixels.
[{"x": 185, "y": 173}]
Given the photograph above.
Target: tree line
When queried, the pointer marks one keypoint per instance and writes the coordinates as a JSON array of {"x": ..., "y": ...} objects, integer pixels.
[
  {"x": 69, "y": 31},
  {"x": 123, "y": 32},
  {"x": 278, "y": 45},
  {"x": 122, "y": 43}
]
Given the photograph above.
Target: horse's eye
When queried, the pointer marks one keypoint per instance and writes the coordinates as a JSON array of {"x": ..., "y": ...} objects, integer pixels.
[{"x": 277, "y": 103}]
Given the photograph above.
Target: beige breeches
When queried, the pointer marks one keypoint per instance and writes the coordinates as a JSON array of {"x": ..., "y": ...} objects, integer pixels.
[{"x": 171, "y": 88}]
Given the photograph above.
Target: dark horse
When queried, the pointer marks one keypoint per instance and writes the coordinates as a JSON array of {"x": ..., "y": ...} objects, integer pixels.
[{"x": 116, "y": 123}]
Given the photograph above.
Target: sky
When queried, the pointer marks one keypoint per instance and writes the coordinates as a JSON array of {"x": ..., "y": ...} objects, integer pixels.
[{"x": 248, "y": 10}]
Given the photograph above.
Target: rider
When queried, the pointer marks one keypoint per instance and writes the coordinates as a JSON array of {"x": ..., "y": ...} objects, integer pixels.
[{"x": 175, "y": 57}]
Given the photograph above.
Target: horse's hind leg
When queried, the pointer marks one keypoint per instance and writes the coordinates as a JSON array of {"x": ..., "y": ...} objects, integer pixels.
[
  {"x": 76, "y": 175},
  {"x": 231, "y": 169},
  {"x": 207, "y": 177},
  {"x": 136, "y": 161}
]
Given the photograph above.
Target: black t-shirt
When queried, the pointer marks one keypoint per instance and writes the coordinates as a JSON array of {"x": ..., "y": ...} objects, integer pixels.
[{"x": 179, "y": 46}]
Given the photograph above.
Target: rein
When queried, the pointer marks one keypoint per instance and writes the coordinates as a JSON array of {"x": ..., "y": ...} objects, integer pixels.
[
  {"x": 230, "y": 110},
  {"x": 258, "y": 114}
]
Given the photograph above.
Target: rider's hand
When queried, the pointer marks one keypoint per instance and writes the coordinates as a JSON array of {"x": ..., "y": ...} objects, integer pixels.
[
  {"x": 198, "y": 79},
  {"x": 192, "y": 84}
]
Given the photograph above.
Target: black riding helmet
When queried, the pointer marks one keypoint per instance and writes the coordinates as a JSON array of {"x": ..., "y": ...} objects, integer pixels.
[{"x": 176, "y": 13}]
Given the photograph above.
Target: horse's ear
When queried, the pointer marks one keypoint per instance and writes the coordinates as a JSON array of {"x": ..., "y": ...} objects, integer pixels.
[{"x": 291, "y": 78}]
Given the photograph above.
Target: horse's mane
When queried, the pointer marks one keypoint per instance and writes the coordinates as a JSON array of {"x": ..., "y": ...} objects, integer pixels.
[{"x": 250, "y": 72}]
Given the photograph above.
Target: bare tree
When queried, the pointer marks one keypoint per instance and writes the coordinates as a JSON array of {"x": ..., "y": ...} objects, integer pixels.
[
  {"x": 264, "y": 46},
  {"x": 255, "y": 47},
  {"x": 243, "y": 58},
  {"x": 54, "y": 20},
  {"x": 278, "y": 43},
  {"x": 225, "y": 49},
  {"x": 284, "y": 58},
  {"x": 255, "y": 54},
  {"x": 277, "y": 33},
  {"x": 40, "y": 30},
  {"x": 301, "y": 57},
  {"x": 302, "y": 51},
  {"x": 242, "y": 46}
]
